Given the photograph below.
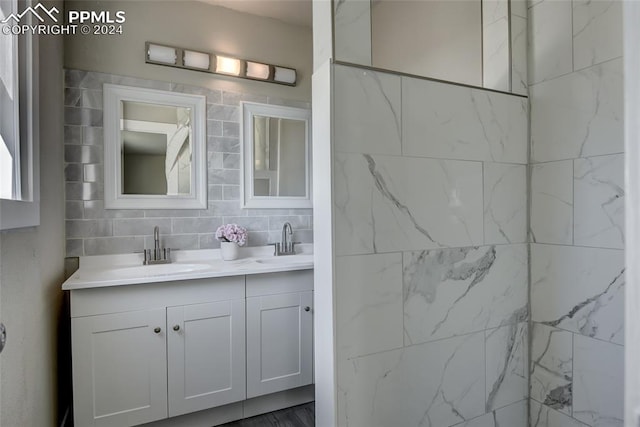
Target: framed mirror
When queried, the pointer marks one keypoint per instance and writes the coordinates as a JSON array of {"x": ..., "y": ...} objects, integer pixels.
[
  {"x": 155, "y": 149},
  {"x": 276, "y": 153}
]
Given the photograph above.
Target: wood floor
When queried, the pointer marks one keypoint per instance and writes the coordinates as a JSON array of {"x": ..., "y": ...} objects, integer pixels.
[{"x": 297, "y": 416}]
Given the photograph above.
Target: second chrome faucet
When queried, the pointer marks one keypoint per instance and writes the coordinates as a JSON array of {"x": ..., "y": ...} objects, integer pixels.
[
  {"x": 157, "y": 255},
  {"x": 285, "y": 246}
]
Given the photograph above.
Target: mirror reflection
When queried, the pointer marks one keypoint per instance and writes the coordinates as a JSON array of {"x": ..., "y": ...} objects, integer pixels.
[
  {"x": 156, "y": 151},
  {"x": 279, "y": 152}
]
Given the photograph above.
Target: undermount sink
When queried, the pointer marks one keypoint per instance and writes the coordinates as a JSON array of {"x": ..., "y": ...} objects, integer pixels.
[
  {"x": 147, "y": 270},
  {"x": 287, "y": 260}
]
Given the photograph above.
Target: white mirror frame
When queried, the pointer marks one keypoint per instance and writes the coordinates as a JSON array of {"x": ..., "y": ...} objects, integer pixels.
[
  {"x": 249, "y": 110},
  {"x": 113, "y": 197}
]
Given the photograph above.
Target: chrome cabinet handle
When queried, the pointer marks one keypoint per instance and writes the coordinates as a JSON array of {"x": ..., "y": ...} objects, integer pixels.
[
  {"x": 157, "y": 330},
  {"x": 307, "y": 308},
  {"x": 176, "y": 328},
  {"x": 3, "y": 336}
]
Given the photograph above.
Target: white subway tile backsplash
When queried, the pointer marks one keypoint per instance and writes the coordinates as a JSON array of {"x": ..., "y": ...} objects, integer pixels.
[
  {"x": 89, "y": 228},
  {"x": 201, "y": 225},
  {"x": 140, "y": 226}
]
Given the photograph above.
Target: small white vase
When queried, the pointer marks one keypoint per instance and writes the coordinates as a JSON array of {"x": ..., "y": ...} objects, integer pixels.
[{"x": 229, "y": 250}]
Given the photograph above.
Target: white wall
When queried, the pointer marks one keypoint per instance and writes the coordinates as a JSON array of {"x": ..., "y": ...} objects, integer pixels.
[
  {"x": 31, "y": 272},
  {"x": 198, "y": 26}
]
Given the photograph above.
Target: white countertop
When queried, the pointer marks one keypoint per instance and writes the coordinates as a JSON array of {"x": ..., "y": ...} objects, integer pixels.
[{"x": 127, "y": 269}]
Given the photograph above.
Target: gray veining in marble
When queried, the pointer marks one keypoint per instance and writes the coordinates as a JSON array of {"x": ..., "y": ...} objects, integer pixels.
[
  {"x": 507, "y": 368},
  {"x": 552, "y": 367},
  {"x": 433, "y": 384},
  {"x": 450, "y": 292},
  {"x": 595, "y": 308},
  {"x": 599, "y": 201},
  {"x": 379, "y": 208}
]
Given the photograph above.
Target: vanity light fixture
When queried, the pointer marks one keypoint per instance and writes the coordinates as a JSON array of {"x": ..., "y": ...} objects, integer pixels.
[
  {"x": 197, "y": 60},
  {"x": 226, "y": 65},
  {"x": 218, "y": 64},
  {"x": 161, "y": 54}
]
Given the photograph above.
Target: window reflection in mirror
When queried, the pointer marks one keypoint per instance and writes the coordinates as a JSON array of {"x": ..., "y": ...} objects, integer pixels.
[
  {"x": 279, "y": 157},
  {"x": 156, "y": 149}
]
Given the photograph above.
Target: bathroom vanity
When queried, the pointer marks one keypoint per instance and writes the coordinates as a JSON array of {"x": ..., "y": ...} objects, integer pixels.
[{"x": 217, "y": 340}]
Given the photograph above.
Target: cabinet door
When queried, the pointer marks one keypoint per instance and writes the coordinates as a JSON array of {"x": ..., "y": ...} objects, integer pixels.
[
  {"x": 206, "y": 346},
  {"x": 120, "y": 368},
  {"x": 279, "y": 342}
]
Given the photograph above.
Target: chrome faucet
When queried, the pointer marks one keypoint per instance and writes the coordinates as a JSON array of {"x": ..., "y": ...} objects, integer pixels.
[
  {"x": 156, "y": 240},
  {"x": 284, "y": 242},
  {"x": 158, "y": 255},
  {"x": 285, "y": 246}
]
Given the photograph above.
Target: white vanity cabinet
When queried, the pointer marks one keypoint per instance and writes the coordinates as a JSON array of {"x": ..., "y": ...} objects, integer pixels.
[
  {"x": 279, "y": 332},
  {"x": 152, "y": 351},
  {"x": 206, "y": 355},
  {"x": 119, "y": 368}
]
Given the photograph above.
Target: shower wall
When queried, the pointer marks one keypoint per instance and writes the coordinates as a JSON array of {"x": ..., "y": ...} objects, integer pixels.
[
  {"x": 431, "y": 265},
  {"x": 577, "y": 203}
]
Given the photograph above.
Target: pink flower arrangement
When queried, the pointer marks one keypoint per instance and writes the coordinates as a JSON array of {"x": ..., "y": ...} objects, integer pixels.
[{"x": 232, "y": 233}]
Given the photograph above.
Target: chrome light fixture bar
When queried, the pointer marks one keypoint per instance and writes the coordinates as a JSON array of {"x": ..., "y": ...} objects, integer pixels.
[{"x": 178, "y": 57}]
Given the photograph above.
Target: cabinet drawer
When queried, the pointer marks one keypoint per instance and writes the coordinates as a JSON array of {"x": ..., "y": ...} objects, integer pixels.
[{"x": 279, "y": 283}]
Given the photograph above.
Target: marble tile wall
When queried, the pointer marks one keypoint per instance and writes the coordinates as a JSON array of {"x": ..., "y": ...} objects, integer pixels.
[
  {"x": 576, "y": 222},
  {"x": 92, "y": 230},
  {"x": 431, "y": 252}
]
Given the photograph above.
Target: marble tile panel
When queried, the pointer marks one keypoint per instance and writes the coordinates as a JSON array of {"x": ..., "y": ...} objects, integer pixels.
[
  {"x": 352, "y": 31},
  {"x": 495, "y": 45},
  {"x": 505, "y": 203},
  {"x": 434, "y": 384},
  {"x": 543, "y": 416},
  {"x": 367, "y": 111},
  {"x": 598, "y": 390},
  {"x": 368, "y": 304},
  {"x": 551, "y": 218},
  {"x": 579, "y": 289},
  {"x": 578, "y": 115},
  {"x": 379, "y": 203},
  {"x": 507, "y": 366},
  {"x": 597, "y": 31},
  {"x": 514, "y": 415},
  {"x": 519, "y": 80},
  {"x": 455, "y": 122},
  {"x": 551, "y": 40},
  {"x": 598, "y": 215},
  {"x": 449, "y": 292},
  {"x": 552, "y": 367}
]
